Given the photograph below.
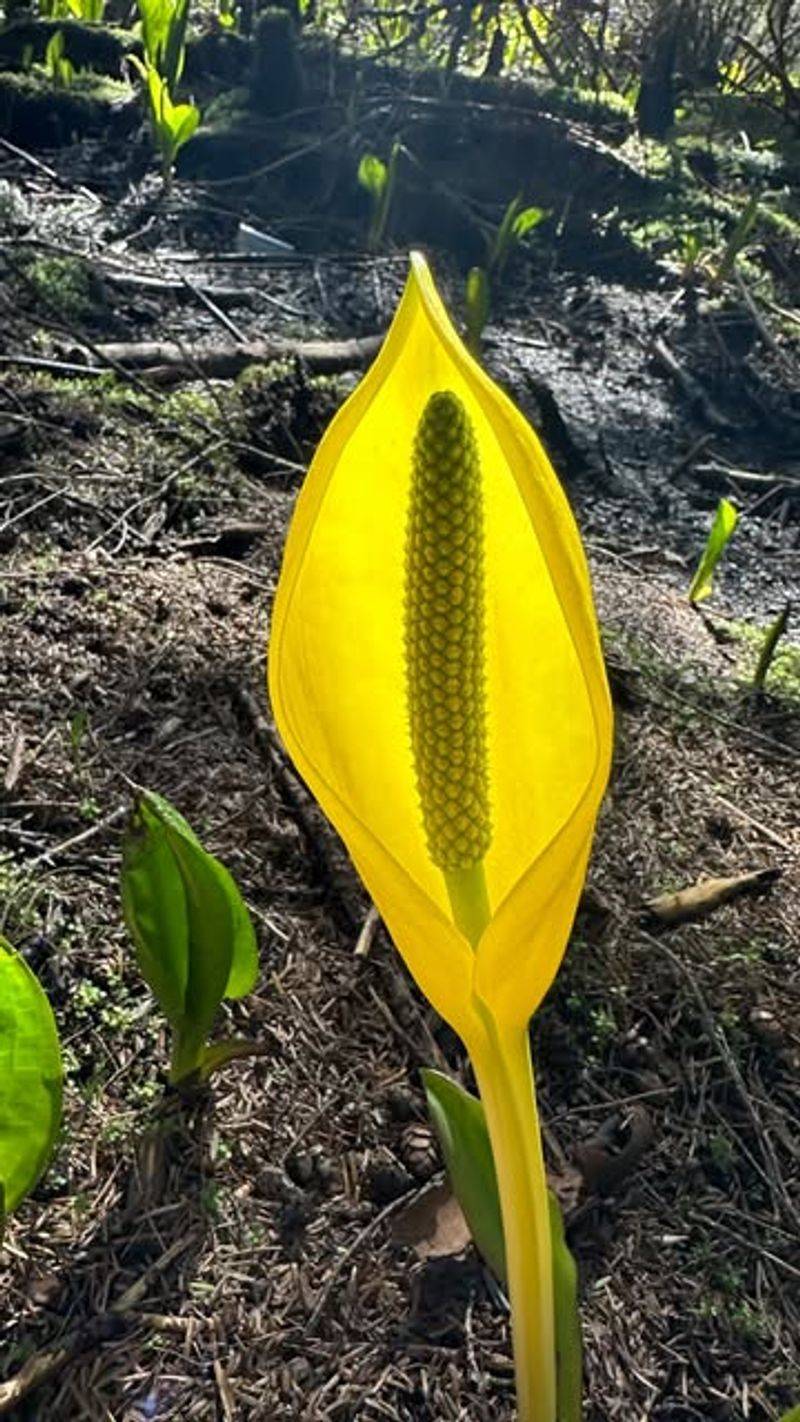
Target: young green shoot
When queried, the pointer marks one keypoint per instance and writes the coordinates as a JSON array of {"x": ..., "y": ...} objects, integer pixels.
[
  {"x": 769, "y": 647},
  {"x": 478, "y": 303},
  {"x": 379, "y": 180},
  {"x": 172, "y": 124},
  {"x": 194, "y": 940},
  {"x": 59, "y": 70},
  {"x": 164, "y": 24},
  {"x": 725, "y": 520},
  {"x": 736, "y": 242},
  {"x": 516, "y": 223}
]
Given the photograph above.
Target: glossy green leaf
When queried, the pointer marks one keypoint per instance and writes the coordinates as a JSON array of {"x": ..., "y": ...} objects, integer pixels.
[
  {"x": 793, "y": 1415},
  {"x": 725, "y": 520},
  {"x": 154, "y": 907},
  {"x": 460, "y": 1125},
  {"x": 174, "y": 52},
  {"x": 193, "y": 934},
  {"x": 30, "y": 1079},
  {"x": 244, "y": 952}
]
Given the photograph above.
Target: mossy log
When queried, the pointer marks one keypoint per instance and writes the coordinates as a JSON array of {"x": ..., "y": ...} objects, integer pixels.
[
  {"x": 36, "y": 114},
  {"x": 100, "y": 48}
]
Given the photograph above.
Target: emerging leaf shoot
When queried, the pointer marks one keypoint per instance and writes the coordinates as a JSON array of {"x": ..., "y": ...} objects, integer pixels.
[
  {"x": 194, "y": 939},
  {"x": 379, "y": 179},
  {"x": 769, "y": 647},
  {"x": 725, "y": 521}
]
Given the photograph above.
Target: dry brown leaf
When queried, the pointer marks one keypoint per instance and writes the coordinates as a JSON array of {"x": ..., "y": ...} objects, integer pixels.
[
  {"x": 707, "y": 895},
  {"x": 433, "y": 1225}
]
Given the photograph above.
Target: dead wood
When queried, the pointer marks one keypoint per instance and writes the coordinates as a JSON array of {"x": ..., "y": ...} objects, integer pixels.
[{"x": 166, "y": 361}]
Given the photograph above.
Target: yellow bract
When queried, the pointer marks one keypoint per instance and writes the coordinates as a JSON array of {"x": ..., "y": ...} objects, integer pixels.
[{"x": 338, "y": 671}]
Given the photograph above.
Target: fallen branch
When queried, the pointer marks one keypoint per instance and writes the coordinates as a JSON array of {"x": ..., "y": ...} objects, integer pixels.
[{"x": 166, "y": 361}]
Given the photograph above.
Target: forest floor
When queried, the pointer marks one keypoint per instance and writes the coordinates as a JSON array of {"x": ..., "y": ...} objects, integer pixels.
[{"x": 262, "y": 1269}]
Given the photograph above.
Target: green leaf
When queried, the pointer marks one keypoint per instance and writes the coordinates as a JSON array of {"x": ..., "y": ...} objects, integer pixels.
[
  {"x": 155, "y": 18},
  {"x": 525, "y": 221},
  {"x": 793, "y": 1415},
  {"x": 503, "y": 238},
  {"x": 372, "y": 174},
  {"x": 54, "y": 50},
  {"x": 478, "y": 307},
  {"x": 30, "y": 1079},
  {"x": 244, "y": 950},
  {"x": 174, "y": 52},
  {"x": 569, "y": 1344},
  {"x": 769, "y": 646},
  {"x": 183, "y": 123},
  {"x": 194, "y": 937},
  {"x": 154, "y": 908},
  {"x": 737, "y": 240},
  {"x": 460, "y": 1125},
  {"x": 725, "y": 521}
]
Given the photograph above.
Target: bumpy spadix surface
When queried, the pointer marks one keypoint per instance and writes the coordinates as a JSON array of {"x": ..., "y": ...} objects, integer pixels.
[
  {"x": 444, "y": 635},
  {"x": 338, "y": 670}
]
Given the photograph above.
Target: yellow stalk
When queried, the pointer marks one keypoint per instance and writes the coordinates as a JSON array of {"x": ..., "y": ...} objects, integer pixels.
[{"x": 503, "y": 1071}]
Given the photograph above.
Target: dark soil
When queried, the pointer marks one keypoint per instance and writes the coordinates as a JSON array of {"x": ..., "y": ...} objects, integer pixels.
[{"x": 245, "y": 1267}]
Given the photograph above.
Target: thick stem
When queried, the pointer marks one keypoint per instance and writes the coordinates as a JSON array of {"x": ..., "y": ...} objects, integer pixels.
[{"x": 504, "y": 1074}]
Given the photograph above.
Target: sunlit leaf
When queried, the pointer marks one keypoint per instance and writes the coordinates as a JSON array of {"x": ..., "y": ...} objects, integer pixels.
[
  {"x": 193, "y": 934},
  {"x": 372, "y": 174},
  {"x": 461, "y": 1128},
  {"x": 525, "y": 221},
  {"x": 725, "y": 521},
  {"x": 30, "y": 1079}
]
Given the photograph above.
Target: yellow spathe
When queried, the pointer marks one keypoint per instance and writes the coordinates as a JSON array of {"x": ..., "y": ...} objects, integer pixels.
[{"x": 337, "y": 670}]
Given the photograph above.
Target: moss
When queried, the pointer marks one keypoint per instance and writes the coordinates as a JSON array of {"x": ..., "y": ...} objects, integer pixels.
[
  {"x": 783, "y": 677},
  {"x": 97, "y": 47},
  {"x": 66, "y": 285},
  {"x": 608, "y": 112},
  {"x": 36, "y": 114}
]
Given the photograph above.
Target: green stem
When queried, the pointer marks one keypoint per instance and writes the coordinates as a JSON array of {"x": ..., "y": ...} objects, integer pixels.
[
  {"x": 504, "y": 1074},
  {"x": 469, "y": 900}
]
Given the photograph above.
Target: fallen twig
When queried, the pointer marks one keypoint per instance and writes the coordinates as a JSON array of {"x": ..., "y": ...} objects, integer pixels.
[{"x": 224, "y": 362}]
